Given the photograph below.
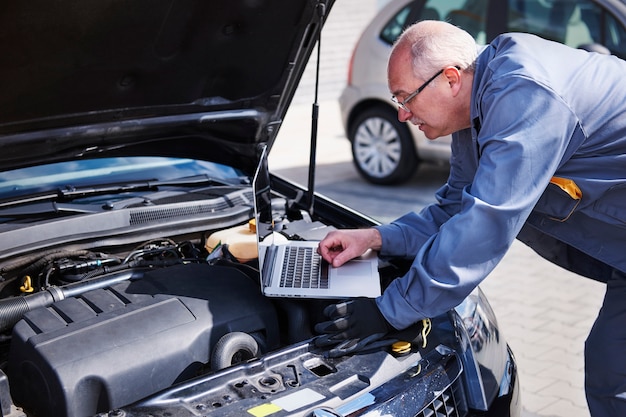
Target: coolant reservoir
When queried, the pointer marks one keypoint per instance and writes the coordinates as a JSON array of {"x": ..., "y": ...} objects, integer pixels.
[{"x": 241, "y": 241}]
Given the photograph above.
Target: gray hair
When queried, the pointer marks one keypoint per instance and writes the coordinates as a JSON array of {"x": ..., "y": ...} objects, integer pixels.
[{"x": 435, "y": 45}]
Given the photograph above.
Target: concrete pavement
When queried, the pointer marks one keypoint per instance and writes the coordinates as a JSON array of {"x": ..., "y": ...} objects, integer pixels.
[{"x": 544, "y": 312}]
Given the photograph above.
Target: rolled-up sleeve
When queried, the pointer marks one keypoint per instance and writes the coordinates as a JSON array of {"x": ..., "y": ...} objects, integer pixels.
[{"x": 495, "y": 181}]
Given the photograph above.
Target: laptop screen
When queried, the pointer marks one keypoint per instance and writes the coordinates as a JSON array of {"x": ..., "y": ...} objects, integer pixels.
[
  {"x": 262, "y": 198},
  {"x": 263, "y": 215},
  {"x": 275, "y": 265}
]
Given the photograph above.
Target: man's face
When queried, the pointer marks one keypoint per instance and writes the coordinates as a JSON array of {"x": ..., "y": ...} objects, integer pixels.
[{"x": 427, "y": 108}]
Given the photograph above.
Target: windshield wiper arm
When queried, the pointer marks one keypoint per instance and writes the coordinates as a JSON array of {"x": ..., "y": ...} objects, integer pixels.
[
  {"x": 70, "y": 193},
  {"x": 49, "y": 208}
]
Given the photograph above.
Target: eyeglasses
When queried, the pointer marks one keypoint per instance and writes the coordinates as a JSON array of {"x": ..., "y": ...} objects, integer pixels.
[{"x": 402, "y": 104}]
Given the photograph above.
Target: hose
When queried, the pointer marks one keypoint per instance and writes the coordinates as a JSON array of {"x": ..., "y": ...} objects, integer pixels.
[{"x": 13, "y": 309}]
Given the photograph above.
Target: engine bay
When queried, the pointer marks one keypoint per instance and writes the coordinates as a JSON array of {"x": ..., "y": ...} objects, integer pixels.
[
  {"x": 121, "y": 323},
  {"x": 86, "y": 331}
]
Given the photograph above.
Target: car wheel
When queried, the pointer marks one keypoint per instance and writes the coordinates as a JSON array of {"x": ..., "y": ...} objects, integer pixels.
[{"x": 382, "y": 146}]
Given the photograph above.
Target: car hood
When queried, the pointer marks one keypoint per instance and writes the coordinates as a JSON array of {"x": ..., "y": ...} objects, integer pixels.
[{"x": 203, "y": 79}]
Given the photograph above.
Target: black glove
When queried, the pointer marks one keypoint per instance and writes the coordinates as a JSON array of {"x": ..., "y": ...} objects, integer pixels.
[{"x": 354, "y": 325}]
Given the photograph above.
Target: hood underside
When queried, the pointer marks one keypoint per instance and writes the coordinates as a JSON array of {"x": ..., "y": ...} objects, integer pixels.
[{"x": 207, "y": 79}]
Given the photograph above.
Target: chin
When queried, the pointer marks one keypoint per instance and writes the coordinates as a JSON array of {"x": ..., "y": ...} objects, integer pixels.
[{"x": 430, "y": 135}]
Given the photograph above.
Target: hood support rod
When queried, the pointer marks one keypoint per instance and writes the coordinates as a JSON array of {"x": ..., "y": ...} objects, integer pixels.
[{"x": 321, "y": 9}]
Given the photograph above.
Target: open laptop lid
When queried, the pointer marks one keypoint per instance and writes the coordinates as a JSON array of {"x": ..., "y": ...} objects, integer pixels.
[
  {"x": 358, "y": 277},
  {"x": 262, "y": 198},
  {"x": 263, "y": 215}
]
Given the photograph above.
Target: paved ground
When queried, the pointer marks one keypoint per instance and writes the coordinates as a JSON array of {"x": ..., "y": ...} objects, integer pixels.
[{"x": 544, "y": 312}]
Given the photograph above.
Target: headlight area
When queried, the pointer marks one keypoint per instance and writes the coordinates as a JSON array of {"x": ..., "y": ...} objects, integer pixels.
[{"x": 490, "y": 371}]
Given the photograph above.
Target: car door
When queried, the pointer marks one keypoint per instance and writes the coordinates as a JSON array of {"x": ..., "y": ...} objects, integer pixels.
[
  {"x": 593, "y": 25},
  {"x": 470, "y": 15},
  {"x": 582, "y": 24}
]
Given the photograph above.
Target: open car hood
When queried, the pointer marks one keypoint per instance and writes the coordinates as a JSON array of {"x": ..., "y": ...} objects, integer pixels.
[{"x": 202, "y": 79}]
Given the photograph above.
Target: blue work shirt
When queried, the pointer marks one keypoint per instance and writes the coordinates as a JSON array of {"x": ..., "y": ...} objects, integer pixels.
[{"x": 544, "y": 161}]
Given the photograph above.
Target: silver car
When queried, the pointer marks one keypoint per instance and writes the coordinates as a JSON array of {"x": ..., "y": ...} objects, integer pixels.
[{"x": 387, "y": 151}]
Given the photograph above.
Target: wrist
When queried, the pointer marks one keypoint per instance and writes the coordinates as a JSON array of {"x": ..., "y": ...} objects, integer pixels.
[{"x": 375, "y": 240}]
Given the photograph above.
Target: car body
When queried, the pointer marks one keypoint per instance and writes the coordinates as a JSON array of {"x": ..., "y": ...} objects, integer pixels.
[
  {"x": 129, "y": 136},
  {"x": 386, "y": 151}
]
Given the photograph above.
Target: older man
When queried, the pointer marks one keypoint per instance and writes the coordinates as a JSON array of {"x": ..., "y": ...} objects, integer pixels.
[{"x": 538, "y": 153}]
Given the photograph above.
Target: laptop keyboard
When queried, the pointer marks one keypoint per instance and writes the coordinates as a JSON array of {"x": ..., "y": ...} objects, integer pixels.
[{"x": 301, "y": 269}]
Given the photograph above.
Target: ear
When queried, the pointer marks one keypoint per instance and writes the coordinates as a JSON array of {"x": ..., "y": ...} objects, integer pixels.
[{"x": 455, "y": 78}]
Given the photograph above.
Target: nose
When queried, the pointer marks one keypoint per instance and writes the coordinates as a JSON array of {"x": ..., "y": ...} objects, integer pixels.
[{"x": 403, "y": 115}]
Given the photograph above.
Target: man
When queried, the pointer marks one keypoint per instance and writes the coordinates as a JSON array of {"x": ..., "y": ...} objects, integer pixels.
[{"x": 538, "y": 153}]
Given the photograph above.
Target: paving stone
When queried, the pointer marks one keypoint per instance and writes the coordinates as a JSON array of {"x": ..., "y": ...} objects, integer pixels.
[
  {"x": 564, "y": 408},
  {"x": 573, "y": 377},
  {"x": 534, "y": 384},
  {"x": 536, "y": 403}
]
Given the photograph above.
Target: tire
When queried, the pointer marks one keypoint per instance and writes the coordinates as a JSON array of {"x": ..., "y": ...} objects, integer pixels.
[{"x": 383, "y": 150}]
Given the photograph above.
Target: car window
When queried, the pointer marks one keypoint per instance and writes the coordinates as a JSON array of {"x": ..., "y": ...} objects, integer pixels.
[
  {"x": 467, "y": 14},
  {"x": 396, "y": 25},
  {"x": 575, "y": 23},
  {"x": 614, "y": 36}
]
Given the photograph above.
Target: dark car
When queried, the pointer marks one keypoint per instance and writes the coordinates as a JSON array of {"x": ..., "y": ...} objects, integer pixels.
[
  {"x": 129, "y": 275},
  {"x": 387, "y": 151}
]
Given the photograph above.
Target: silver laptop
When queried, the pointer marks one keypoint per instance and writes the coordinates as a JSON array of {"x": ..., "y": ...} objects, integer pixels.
[{"x": 293, "y": 268}]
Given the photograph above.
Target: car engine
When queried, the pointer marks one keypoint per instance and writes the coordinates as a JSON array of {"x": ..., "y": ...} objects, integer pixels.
[{"x": 95, "y": 331}]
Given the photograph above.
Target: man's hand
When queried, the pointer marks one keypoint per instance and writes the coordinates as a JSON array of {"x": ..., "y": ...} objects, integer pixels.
[
  {"x": 339, "y": 246},
  {"x": 354, "y": 325}
]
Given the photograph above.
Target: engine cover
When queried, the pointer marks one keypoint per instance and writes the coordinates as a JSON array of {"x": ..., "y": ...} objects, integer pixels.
[{"x": 110, "y": 347}]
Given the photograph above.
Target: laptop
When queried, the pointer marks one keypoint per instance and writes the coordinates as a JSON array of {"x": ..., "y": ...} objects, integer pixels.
[{"x": 293, "y": 268}]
